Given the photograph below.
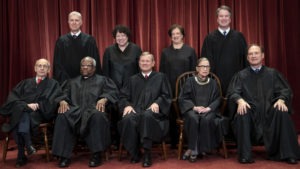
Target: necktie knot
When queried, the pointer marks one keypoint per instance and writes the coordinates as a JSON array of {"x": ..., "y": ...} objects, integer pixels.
[
  {"x": 224, "y": 33},
  {"x": 256, "y": 70},
  {"x": 39, "y": 80},
  {"x": 74, "y": 36},
  {"x": 146, "y": 76}
]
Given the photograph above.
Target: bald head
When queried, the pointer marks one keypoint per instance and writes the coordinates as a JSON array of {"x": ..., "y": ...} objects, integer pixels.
[{"x": 42, "y": 67}]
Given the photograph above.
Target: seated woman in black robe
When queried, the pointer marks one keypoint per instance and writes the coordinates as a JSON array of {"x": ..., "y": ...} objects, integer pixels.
[{"x": 199, "y": 101}]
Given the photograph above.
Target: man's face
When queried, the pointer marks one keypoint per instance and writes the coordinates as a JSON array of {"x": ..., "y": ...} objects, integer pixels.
[
  {"x": 203, "y": 68},
  {"x": 255, "y": 56},
  {"x": 75, "y": 23},
  {"x": 224, "y": 19},
  {"x": 42, "y": 68},
  {"x": 121, "y": 39},
  {"x": 176, "y": 36},
  {"x": 86, "y": 68},
  {"x": 146, "y": 63}
]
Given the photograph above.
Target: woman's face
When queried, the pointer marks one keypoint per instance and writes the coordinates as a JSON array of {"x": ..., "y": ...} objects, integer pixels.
[
  {"x": 176, "y": 36},
  {"x": 203, "y": 68},
  {"x": 121, "y": 39}
]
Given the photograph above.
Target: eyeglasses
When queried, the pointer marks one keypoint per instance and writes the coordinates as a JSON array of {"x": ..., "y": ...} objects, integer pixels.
[
  {"x": 86, "y": 66},
  {"x": 42, "y": 66},
  {"x": 204, "y": 67}
]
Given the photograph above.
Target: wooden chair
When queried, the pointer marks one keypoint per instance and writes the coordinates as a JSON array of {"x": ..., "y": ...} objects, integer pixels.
[
  {"x": 44, "y": 129},
  {"x": 179, "y": 121}
]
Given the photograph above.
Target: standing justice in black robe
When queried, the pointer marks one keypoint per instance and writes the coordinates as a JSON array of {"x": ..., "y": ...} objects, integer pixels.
[
  {"x": 83, "y": 119},
  {"x": 174, "y": 62},
  {"x": 68, "y": 53},
  {"x": 140, "y": 93},
  {"x": 201, "y": 129},
  {"x": 263, "y": 123},
  {"x": 120, "y": 65},
  {"x": 226, "y": 54}
]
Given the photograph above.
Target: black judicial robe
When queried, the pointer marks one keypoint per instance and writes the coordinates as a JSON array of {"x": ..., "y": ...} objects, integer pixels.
[
  {"x": 206, "y": 95},
  {"x": 120, "y": 65},
  {"x": 140, "y": 93},
  {"x": 82, "y": 96},
  {"x": 227, "y": 55},
  {"x": 261, "y": 90},
  {"x": 68, "y": 53},
  {"x": 27, "y": 91},
  {"x": 174, "y": 62}
]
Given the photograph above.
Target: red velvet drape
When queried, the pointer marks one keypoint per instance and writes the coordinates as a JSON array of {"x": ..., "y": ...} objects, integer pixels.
[{"x": 29, "y": 29}]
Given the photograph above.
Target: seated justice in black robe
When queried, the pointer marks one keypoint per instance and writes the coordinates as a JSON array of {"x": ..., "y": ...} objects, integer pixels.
[
  {"x": 199, "y": 102},
  {"x": 81, "y": 114},
  {"x": 145, "y": 101},
  {"x": 30, "y": 103},
  {"x": 263, "y": 116}
]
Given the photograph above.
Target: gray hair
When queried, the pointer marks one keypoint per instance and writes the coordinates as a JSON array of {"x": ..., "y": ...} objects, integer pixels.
[
  {"x": 147, "y": 54},
  {"x": 89, "y": 58},
  {"x": 75, "y": 13}
]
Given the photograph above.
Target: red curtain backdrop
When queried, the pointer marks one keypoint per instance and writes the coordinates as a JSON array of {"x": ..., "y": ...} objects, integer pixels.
[{"x": 29, "y": 29}]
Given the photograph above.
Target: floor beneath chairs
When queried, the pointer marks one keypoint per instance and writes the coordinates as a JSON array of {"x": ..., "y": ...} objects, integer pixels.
[{"x": 214, "y": 161}]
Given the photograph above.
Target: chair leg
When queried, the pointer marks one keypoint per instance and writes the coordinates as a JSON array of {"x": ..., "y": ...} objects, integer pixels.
[
  {"x": 120, "y": 151},
  {"x": 164, "y": 150},
  {"x": 5, "y": 147},
  {"x": 180, "y": 144},
  {"x": 224, "y": 148},
  {"x": 44, "y": 130}
]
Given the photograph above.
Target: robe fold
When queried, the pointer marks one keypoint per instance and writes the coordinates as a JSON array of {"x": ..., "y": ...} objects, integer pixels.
[{"x": 262, "y": 123}]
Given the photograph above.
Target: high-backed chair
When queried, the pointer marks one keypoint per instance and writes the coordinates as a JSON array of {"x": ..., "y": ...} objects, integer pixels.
[
  {"x": 44, "y": 129},
  {"x": 180, "y": 122}
]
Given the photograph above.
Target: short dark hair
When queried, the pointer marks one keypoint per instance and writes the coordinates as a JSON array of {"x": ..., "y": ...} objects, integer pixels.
[
  {"x": 223, "y": 7},
  {"x": 174, "y": 26},
  {"x": 121, "y": 29},
  {"x": 255, "y": 44}
]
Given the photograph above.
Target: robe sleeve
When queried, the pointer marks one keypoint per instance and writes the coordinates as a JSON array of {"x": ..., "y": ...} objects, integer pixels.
[
  {"x": 282, "y": 90},
  {"x": 235, "y": 88},
  {"x": 243, "y": 48},
  {"x": 59, "y": 73},
  {"x": 93, "y": 51},
  {"x": 215, "y": 96},
  {"x": 162, "y": 65},
  {"x": 165, "y": 98},
  {"x": 110, "y": 91},
  {"x": 106, "y": 65},
  {"x": 185, "y": 97},
  {"x": 47, "y": 101}
]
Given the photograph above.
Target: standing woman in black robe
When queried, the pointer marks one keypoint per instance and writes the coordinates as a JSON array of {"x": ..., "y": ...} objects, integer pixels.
[
  {"x": 71, "y": 48},
  {"x": 120, "y": 61},
  {"x": 199, "y": 101},
  {"x": 175, "y": 60},
  {"x": 30, "y": 103}
]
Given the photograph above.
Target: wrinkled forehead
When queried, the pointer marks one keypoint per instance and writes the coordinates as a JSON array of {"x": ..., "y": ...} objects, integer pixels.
[
  {"x": 147, "y": 57},
  {"x": 42, "y": 62},
  {"x": 204, "y": 62},
  {"x": 86, "y": 61},
  {"x": 74, "y": 16}
]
